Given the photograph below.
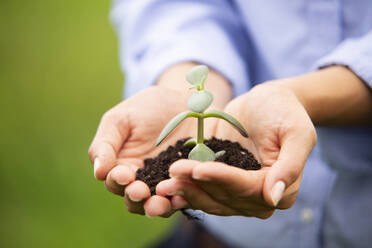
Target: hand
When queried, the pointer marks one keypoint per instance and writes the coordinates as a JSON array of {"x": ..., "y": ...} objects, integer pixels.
[
  {"x": 281, "y": 136},
  {"x": 127, "y": 134}
]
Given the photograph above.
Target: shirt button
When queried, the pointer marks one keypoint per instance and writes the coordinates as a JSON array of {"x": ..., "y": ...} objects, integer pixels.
[{"x": 307, "y": 215}]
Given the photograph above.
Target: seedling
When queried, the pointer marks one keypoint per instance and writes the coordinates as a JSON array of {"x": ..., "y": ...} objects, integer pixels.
[{"x": 198, "y": 103}]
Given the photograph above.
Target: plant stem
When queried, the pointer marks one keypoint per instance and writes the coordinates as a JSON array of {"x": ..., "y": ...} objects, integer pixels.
[{"x": 200, "y": 139}]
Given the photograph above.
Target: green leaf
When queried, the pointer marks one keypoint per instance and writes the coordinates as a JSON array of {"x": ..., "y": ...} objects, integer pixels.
[
  {"x": 172, "y": 124},
  {"x": 197, "y": 76},
  {"x": 190, "y": 142},
  {"x": 228, "y": 118},
  {"x": 220, "y": 153},
  {"x": 202, "y": 153},
  {"x": 200, "y": 101}
]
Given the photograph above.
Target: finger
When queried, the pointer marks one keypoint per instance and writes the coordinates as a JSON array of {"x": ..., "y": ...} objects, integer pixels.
[
  {"x": 135, "y": 195},
  {"x": 111, "y": 133},
  {"x": 182, "y": 168},
  {"x": 234, "y": 180},
  {"x": 134, "y": 207},
  {"x": 225, "y": 195},
  {"x": 288, "y": 168},
  {"x": 158, "y": 206},
  {"x": 196, "y": 197},
  {"x": 137, "y": 191},
  {"x": 264, "y": 214},
  {"x": 178, "y": 202},
  {"x": 133, "y": 163},
  {"x": 118, "y": 178}
]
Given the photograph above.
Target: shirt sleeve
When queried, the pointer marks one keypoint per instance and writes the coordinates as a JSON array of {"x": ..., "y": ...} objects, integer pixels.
[
  {"x": 356, "y": 54},
  {"x": 155, "y": 34}
]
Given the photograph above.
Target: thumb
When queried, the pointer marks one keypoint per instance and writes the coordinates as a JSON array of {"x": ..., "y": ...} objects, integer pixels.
[
  {"x": 111, "y": 134},
  {"x": 288, "y": 168}
]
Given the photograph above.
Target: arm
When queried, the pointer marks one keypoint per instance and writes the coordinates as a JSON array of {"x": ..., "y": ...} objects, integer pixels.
[
  {"x": 279, "y": 117},
  {"x": 158, "y": 41},
  {"x": 155, "y": 35},
  {"x": 339, "y": 95},
  {"x": 333, "y": 96}
]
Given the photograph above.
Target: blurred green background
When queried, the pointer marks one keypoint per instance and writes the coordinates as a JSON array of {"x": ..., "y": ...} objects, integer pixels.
[{"x": 59, "y": 73}]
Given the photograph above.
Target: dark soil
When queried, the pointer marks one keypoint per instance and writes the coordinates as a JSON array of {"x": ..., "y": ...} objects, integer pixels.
[{"x": 156, "y": 169}]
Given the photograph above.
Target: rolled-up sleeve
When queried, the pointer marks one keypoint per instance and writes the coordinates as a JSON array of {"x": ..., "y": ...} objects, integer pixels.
[
  {"x": 356, "y": 54},
  {"x": 155, "y": 34}
]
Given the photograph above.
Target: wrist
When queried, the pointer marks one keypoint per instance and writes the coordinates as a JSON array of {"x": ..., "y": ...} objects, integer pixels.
[{"x": 294, "y": 86}]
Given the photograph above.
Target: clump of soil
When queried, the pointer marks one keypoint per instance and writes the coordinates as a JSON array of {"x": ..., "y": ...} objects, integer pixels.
[{"x": 156, "y": 169}]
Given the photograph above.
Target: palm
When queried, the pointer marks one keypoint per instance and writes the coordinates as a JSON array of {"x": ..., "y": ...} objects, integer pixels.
[
  {"x": 264, "y": 139},
  {"x": 147, "y": 113},
  {"x": 281, "y": 136},
  {"x": 270, "y": 133}
]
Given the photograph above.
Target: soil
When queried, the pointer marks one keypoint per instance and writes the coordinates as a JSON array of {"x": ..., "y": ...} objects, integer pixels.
[{"x": 156, "y": 169}]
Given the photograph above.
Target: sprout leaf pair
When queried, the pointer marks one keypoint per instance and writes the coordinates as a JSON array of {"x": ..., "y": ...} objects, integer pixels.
[{"x": 198, "y": 103}]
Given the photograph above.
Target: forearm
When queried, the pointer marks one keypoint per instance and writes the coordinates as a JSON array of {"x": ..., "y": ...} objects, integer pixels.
[
  {"x": 174, "y": 78},
  {"x": 333, "y": 96}
]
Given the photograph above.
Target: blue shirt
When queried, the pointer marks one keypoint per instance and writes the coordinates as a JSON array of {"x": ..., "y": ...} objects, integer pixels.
[{"x": 250, "y": 42}]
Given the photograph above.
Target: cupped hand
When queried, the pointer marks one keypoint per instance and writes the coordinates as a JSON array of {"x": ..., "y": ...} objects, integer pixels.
[
  {"x": 281, "y": 136},
  {"x": 127, "y": 134}
]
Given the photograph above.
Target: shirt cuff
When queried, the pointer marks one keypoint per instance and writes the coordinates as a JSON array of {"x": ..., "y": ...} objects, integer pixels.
[{"x": 356, "y": 54}]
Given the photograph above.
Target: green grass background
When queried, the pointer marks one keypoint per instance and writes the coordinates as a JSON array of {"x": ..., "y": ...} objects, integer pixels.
[{"x": 59, "y": 73}]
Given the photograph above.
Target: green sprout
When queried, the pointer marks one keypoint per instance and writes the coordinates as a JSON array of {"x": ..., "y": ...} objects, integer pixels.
[{"x": 198, "y": 103}]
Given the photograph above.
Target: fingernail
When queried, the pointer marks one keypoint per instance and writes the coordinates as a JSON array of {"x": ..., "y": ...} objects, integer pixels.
[
  {"x": 134, "y": 199},
  {"x": 96, "y": 165},
  {"x": 120, "y": 179},
  {"x": 148, "y": 216},
  {"x": 277, "y": 192},
  {"x": 180, "y": 193},
  {"x": 122, "y": 182},
  {"x": 178, "y": 177},
  {"x": 199, "y": 178},
  {"x": 181, "y": 206}
]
